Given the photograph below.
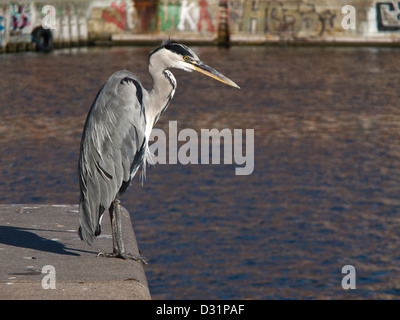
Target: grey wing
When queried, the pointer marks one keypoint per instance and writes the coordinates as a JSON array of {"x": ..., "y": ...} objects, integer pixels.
[{"x": 112, "y": 148}]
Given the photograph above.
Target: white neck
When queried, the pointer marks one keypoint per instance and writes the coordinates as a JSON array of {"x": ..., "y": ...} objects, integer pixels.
[{"x": 164, "y": 85}]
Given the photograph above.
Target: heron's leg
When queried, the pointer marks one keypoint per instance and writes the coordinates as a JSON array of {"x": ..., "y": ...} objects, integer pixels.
[
  {"x": 116, "y": 229},
  {"x": 118, "y": 245},
  {"x": 114, "y": 226},
  {"x": 118, "y": 235}
]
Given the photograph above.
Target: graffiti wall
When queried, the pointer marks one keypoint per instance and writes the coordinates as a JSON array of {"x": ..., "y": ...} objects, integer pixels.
[
  {"x": 271, "y": 19},
  {"x": 289, "y": 18},
  {"x": 154, "y": 16},
  {"x": 266, "y": 20},
  {"x": 18, "y": 20},
  {"x": 108, "y": 17},
  {"x": 296, "y": 19}
]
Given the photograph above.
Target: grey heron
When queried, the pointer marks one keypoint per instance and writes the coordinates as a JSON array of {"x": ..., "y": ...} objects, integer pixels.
[{"x": 115, "y": 137}]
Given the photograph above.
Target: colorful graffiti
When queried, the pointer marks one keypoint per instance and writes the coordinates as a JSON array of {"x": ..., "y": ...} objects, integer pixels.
[
  {"x": 190, "y": 12},
  {"x": 185, "y": 16},
  {"x": 87, "y": 20},
  {"x": 3, "y": 11},
  {"x": 204, "y": 15},
  {"x": 20, "y": 17},
  {"x": 169, "y": 15},
  {"x": 111, "y": 16},
  {"x": 173, "y": 15},
  {"x": 281, "y": 18},
  {"x": 2, "y": 32},
  {"x": 388, "y": 16},
  {"x": 116, "y": 16}
]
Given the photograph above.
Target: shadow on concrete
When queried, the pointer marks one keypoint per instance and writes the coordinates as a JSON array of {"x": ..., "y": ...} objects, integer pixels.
[{"x": 19, "y": 237}]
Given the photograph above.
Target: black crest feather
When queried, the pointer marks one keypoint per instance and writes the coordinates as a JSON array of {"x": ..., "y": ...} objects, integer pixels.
[{"x": 175, "y": 47}]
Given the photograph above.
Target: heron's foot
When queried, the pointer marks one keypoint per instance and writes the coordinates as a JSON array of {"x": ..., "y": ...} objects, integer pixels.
[
  {"x": 135, "y": 258},
  {"x": 126, "y": 256}
]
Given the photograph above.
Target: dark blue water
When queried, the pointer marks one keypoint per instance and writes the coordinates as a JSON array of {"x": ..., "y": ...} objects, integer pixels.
[{"x": 325, "y": 188}]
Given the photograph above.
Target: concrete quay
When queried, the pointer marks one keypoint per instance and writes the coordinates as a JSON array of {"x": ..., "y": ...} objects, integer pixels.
[{"x": 40, "y": 249}]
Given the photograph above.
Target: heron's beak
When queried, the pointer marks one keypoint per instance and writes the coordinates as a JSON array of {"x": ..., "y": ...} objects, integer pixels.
[{"x": 207, "y": 70}]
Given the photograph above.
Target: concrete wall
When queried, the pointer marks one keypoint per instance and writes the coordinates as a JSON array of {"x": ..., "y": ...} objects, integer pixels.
[{"x": 249, "y": 20}]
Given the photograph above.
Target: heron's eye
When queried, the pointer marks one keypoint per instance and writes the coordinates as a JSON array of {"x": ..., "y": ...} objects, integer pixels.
[{"x": 186, "y": 58}]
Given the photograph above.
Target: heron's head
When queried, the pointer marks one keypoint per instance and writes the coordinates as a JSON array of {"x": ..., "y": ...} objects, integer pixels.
[{"x": 179, "y": 56}]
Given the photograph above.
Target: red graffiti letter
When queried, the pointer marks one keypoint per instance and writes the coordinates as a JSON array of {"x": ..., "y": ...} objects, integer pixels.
[
  {"x": 204, "y": 14},
  {"x": 121, "y": 9}
]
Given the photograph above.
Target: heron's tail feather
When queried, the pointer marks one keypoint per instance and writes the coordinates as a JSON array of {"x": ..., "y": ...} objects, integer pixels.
[
  {"x": 85, "y": 236},
  {"x": 88, "y": 238},
  {"x": 89, "y": 228}
]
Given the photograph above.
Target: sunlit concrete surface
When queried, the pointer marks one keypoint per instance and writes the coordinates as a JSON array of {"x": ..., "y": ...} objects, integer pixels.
[{"x": 40, "y": 248}]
